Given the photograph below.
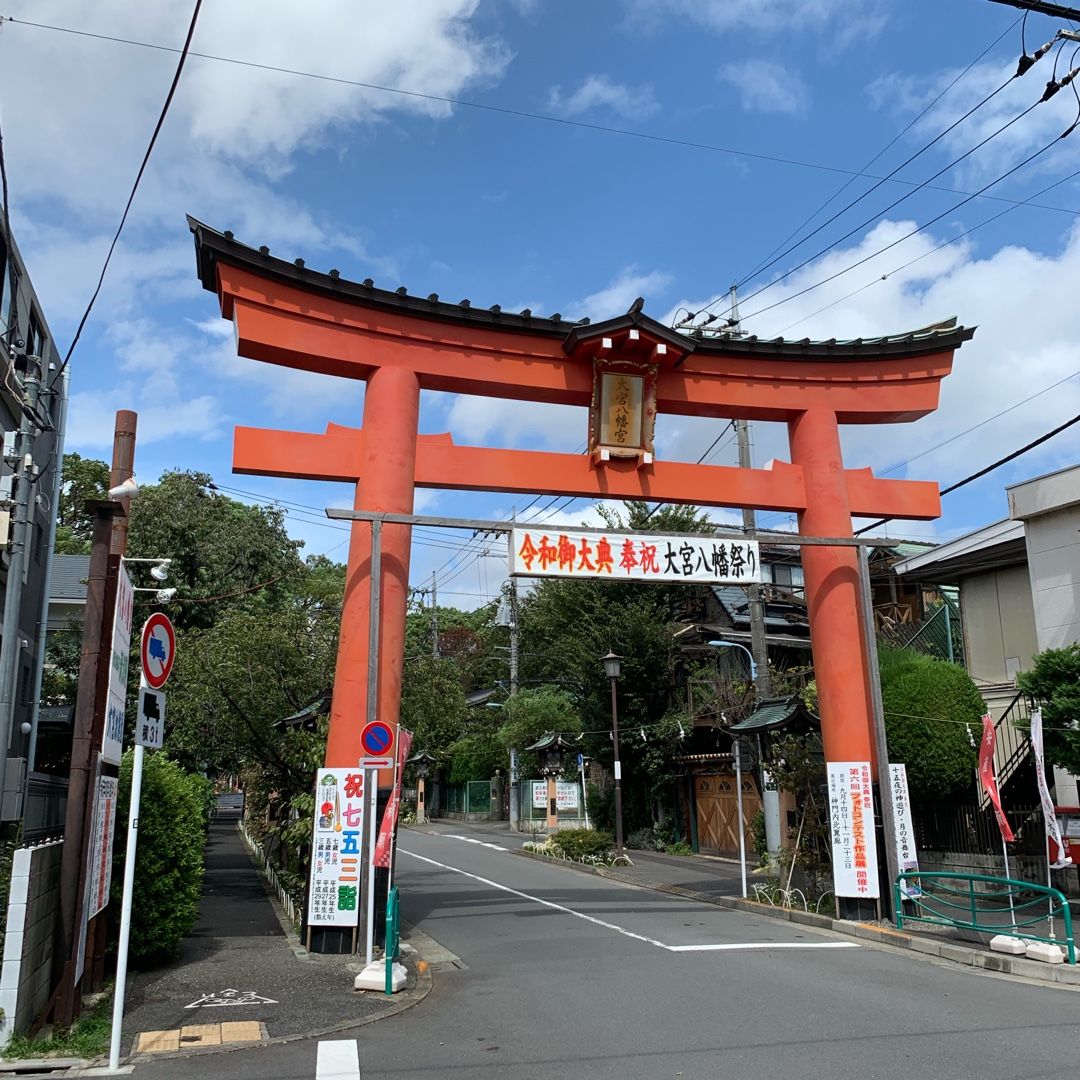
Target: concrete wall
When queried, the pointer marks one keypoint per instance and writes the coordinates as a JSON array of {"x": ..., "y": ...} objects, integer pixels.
[
  {"x": 999, "y": 624},
  {"x": 1053, "y": 544},
  {"x": 1021, "y": 867},
  {"x": 25, "y": 979}
]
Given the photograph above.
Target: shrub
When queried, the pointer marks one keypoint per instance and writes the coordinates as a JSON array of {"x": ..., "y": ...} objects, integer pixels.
[
  {"x": 761, "y": 838},
  {"x": 927, "y": 704},
  {"x": 581, "y": 843},
  {"x": 641, "y": 840},
  {"x": 169, "y": 858}
]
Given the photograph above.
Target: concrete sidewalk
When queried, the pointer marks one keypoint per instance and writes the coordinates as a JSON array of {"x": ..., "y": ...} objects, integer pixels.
[{"x": 242, "y": 975}]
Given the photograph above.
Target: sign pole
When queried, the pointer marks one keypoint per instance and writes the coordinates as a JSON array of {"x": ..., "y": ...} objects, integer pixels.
[
  {"x": 125, "y": 908},
  {"x": 584, "y": 797},
  {"x": 372, "y": 780},
  {"x": 742, "y": 824}
]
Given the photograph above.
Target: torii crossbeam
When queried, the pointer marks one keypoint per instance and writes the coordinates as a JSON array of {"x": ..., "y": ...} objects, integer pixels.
[{"x": 398, "y": 344}]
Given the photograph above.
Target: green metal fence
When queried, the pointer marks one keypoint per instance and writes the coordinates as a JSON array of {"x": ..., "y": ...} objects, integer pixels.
[
  {"x": 392, "y": 938},
  {"x": 471, "y": 798},
  {"x": 987, "y": 905}
]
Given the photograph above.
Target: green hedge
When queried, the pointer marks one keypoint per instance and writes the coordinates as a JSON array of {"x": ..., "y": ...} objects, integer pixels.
[
  {"x": 577, "y": 843},
  {"x": 929, "y": 705},
  {"x": 173, "y": 816}
]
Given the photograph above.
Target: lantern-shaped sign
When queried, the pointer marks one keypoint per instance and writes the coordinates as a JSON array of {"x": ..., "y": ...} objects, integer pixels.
[{"x": 623, "y": 411}]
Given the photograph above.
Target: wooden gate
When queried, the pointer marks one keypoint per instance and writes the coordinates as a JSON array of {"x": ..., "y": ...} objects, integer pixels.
[{"x": 718, "y": 812}]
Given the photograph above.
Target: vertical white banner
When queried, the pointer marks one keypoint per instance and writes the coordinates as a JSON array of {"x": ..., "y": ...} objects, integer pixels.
[
  {"x": 1055, "y": 844},
  {"x": 112, "y": 744},
  {"x": 851, "y": 819},
  {"x": 907, "y": 856}
]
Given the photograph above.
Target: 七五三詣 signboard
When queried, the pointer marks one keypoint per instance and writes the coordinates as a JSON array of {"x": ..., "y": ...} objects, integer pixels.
[
  {"x": 634, "y": 557},
  {"x": 334, "y": 895}
]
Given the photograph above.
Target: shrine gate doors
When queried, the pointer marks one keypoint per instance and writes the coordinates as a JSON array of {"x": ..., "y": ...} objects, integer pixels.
[{"x": 717, "y": 811}]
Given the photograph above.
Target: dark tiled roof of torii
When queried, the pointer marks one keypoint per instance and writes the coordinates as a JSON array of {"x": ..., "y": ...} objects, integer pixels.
[{"x": 212, "y": 246}]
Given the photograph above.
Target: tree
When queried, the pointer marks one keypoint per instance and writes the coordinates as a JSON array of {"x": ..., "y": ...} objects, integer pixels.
[
  {"x": 433, "y": 704},
  {"x": 1054, "y": 683},
  {"x": 930, "y": 707},
  {"x": 225, "y": 555},
  {"x": 82, "y": 479},
  {"x": 532, "y": 713}
]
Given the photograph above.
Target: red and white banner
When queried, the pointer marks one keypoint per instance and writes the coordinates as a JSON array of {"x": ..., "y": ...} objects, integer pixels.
[
  {"x": 384, "y": 843},
  {"x": 988, "y": 778},
  {"x": 1055, "y": 845}
]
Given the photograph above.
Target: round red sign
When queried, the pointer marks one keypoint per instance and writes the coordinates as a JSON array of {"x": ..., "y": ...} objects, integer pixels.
[{"x": 158, "y": 650}]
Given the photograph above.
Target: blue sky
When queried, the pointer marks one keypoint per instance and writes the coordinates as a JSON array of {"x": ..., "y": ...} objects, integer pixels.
[{"x": 499, "y": 208}]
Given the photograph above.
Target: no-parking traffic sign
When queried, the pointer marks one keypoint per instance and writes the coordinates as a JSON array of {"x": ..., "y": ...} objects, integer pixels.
[
  {"x": 158, "y": 650},
  {"x": 377, "y": 743}
]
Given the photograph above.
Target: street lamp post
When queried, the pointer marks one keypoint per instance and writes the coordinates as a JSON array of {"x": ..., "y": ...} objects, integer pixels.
[
  {"x": 737, "y": 745},
  {"x": 613, "y": 666}
]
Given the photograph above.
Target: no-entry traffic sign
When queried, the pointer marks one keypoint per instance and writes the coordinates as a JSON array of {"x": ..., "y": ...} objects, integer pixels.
[
  {"x": 158, "y": 650},
  {"x": 377, "y": 743}
]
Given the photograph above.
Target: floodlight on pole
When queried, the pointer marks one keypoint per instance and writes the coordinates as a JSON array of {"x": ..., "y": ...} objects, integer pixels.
[
  {"x": 160, "y": 572},
  {"x": 127, "y": 490}
]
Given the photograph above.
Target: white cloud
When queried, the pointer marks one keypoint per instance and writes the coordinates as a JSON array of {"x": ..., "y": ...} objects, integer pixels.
[
  {"x": 599, "y": 91},
  {"x": 1023, "y": 303},
  {"x": 766, "y": 86},
  {"x": 616, "y": 298}
]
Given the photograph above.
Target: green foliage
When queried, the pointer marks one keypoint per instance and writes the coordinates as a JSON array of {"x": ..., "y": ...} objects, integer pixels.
[
  {"x": 226, "y": 555},
  {"x": 433, "y": 704},
  {"x": 927, "y": 704},
  {"x": 529, "y": 714},
  {"x": 475, "y": 756},
  {"x": 82, "y": 479},
  {"x": 169, "y": 862},
  {"x": 581, "y": 843},
  {"x": 1054, "y": 683},
  {"x": 798, "y": 766},
  {"x": 761, "y": 842},
  {"x": 88, "y": 1037}
]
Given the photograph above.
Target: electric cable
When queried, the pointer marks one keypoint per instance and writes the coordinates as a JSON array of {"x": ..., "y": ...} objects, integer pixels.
[
  {"x": 667, "y": 140},
  {"x": 184, "y": 52},
  {"x": 907, "y": 236},
  {"x": 918, "y": 153}
]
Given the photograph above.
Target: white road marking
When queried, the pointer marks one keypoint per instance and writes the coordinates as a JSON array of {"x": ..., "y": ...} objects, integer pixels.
[
  {"x": 473, "y": 840},
  {"x": 728, "y": 947},
  {"x": 338, "y": 1059},
  {"x": 536, "y": 899},
  {"x": 732, "y": 946}
]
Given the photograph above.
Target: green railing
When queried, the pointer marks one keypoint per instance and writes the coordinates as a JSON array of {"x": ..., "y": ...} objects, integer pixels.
[
  {"x": 987, "y": 905},
  {"x": 391, "y": 940}
]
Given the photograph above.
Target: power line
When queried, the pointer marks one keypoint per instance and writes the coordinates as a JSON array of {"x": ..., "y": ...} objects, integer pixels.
[
  {"x": 881, "y": 153},
  {"x": 926, "y": 254},
  {"x": 989, "y": 468},
  {"x": 918, "y": 153},
  {"x": 667, "y": 140},
  {"x": 892, "y": 206},
  {"x": 907, "y": 236},
  {"x": 184, "y": 52}
]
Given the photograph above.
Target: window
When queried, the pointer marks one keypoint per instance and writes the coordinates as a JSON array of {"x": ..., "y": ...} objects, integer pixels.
[{"x": 35, "y": 337}]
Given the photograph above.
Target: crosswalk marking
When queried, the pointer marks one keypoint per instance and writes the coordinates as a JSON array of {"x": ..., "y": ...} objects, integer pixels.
[{"x": 338, "y": 1059}]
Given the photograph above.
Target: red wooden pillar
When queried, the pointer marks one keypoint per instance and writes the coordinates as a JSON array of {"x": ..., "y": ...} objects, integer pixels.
[
  {"x": 832, "y": 590},
  {"x": 387, "y": 471}
]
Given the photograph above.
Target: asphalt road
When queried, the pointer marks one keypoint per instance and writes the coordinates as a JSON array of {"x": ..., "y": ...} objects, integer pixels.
[{"x": 565, "y": 974}]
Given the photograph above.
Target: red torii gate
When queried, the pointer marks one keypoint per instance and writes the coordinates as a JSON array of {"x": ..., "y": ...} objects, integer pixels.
[{"x": 287, "y": 314}]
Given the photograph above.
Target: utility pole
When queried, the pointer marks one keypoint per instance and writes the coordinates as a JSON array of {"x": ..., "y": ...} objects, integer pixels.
[
  {"x": 515, "y": 780},
  {"x": 23, "y": 477},
  {"x": 434, "y": 618}
]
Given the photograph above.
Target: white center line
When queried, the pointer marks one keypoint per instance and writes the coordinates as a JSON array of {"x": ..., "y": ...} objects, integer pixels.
[
  {"x": 764, "y": 945},
  {"x": 629, "y": 933},
  {"x": 338, "y": 1059}
]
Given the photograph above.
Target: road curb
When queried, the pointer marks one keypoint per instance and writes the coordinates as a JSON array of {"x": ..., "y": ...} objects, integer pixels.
[{"x": 1062, "y": 976}]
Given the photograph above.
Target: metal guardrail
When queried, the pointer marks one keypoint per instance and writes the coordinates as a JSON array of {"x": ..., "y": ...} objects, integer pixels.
[
  {"x": 1013, "y": 907},
  {"x": 392, "y": 938},
  {"x": 289, "y": 904}
]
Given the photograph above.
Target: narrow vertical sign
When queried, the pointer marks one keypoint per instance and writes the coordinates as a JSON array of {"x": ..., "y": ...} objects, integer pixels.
[
  {"x": 112, "y": 743},
  {"x": 101, "y": 848},
  {"x": 907, "y": 856},
  {"x": 851, "y": 817},
  {"x": 334, "y": 890}
]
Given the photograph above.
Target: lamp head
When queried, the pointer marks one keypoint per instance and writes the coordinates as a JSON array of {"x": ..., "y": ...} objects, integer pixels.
[
  {"x": 160, "y": 572},
  {"x": 165, "y": 596},
  {"x": 612, "y": 665}
]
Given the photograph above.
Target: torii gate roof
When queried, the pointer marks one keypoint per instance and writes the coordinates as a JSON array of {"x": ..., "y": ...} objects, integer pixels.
[{"x": 212, "y": 247}]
